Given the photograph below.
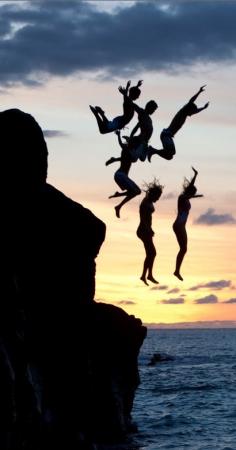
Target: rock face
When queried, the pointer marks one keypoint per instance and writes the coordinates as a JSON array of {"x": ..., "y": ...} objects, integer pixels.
[{"x": 68, "y": 364}]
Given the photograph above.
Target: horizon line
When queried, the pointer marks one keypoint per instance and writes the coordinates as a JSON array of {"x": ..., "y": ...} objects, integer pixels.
[{"x": 197, "y": 324}]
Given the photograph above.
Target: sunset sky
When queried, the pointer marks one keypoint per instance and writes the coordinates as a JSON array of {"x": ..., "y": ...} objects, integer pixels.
[{"x": 57, "y": 57}]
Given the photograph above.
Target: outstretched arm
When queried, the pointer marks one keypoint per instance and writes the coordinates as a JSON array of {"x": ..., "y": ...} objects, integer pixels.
[
  {"x": 197, "y": 195},
  {"x": 192, "y": 99},
  {"x": 112, "y": 160},
  {"x": 194, "y": 177}
]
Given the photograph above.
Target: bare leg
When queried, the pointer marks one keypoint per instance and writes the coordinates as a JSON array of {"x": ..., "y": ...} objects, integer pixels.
[
  {"x": 119, "y": 194},
  {"x": 181, "y": 236},
  {"x": 102, "y": 121},
  {"x": 166, "y": 154},
  {"x": 125, "y": 200},
  {"x": 149, "y": 260}
]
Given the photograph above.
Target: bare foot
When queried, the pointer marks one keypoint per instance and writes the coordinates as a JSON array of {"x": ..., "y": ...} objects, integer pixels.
[
  {"x": 117, "y": 210},
  {"x": 150, "y": 278},
  {"x": 144, "y": 280},
  {"x": 114, "y": 195},
  {"x": 149, "y": 155},
  {"x": 178, "y": 276}
]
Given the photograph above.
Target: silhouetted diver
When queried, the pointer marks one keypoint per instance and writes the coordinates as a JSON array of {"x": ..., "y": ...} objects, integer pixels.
[
  {"x": 121, "y": 176},
  {"x": 179, "y": 119},
  {"x": 189, "y": 191},
  {"x": 145, "y": 232},
  {"x": 107, "y": 126},
  {"x": 139, "y": 144}
]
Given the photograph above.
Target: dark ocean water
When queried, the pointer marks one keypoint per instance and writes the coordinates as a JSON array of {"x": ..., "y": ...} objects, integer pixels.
[{"x": 188, "y": 402}]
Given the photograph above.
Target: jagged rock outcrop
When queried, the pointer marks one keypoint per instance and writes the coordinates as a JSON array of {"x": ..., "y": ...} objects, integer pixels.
[{"x": 68, "y": 364}]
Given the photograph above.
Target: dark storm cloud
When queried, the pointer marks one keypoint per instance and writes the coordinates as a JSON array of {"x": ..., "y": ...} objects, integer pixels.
[
  {"x": 66, "y": 37},
  {"x": 206, "y": 300},
  {"x": 211, "y": 218},
  {"x": 54, "y": 134},
  {"x": 173, "y": 301},
  {"x": 217, "y": 285}
]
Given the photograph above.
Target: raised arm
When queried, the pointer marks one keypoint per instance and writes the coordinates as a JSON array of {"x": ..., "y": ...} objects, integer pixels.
[
  {"x": 194, "y": 177},
  {"x": 192, "y": 99},
  {"x": 124, "y": 91},
  {"x": 203, "y": 107}
]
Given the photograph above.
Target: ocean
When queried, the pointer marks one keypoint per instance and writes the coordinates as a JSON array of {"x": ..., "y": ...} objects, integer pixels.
[{"x": 187, "y": 399}]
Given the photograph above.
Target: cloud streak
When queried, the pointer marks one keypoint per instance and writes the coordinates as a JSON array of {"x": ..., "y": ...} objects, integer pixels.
[
  {"x": 217, "y": 285},
  {"x": 173, "y": 301},
  {"x": 231, "y": 300},
  {"x": 209, "y": 299},
  {"x": 126, "y": 302},
  {"x": 212, "y": 218},
  {"x": 54, "y": 134},
  {"x": 61, "y": 38}
]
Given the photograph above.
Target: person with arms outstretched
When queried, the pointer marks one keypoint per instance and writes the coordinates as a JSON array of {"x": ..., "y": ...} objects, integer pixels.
[
  {"x": 130, "y": 94},
  {"x": 121, "y": 178},
  {"x": 184, "y": 205},
  {"x": 179, "y": 119},
  {"x": 144, "y": 230}
]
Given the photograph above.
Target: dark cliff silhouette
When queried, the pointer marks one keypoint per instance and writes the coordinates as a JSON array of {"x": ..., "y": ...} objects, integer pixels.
[{"x": 68, "y": 364}]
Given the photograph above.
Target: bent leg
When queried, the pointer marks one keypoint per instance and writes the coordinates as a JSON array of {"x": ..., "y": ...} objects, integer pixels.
[{"x": 102, "y": 121}]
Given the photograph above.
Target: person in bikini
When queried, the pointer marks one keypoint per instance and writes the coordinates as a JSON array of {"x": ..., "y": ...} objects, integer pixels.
[
  {"x": 179, "y": 226},
  {"x": 128, "y": 186},
  {"x": 130, "y": 94},
  {"x": 145, "y": 231},
  {"x": 177, "y": 122}
]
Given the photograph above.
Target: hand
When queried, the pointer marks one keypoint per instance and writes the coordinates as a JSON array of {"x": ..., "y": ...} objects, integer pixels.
[
  {"x": 206, "y": 105},
  {"x": 202, "y": 88},
  {"x": 121, "y": 90},
  {"x": 140, "y": 82},
  {"x": 128, "y": 84},
  {"x": 195, "y": 171},
  {"x": 110, "y": 161}
]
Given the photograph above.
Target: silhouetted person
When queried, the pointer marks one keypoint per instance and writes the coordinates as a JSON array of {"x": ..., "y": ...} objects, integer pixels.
[
  {"x": 107, "y": 126},
  {"x": 139, "y": 143},
  {"x": 184, "y": 205},
  {"x": 121, "y": 176},
  {"x": 49, "y": 245},
  {"x": 145, "y": 231},
  {"x": 179, "y": 119}
]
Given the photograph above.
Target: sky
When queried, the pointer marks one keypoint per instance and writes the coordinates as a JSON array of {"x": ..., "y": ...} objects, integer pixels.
[{"x": 58, "y": 57}]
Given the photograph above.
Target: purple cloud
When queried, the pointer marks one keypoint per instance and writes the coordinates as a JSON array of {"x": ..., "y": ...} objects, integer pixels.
[
  {"x": 211, "y": 218},
  {"x": 231, "y": 300},
  {"x": 54, "y": 133},
  {"x": 126, "y": 302},
  {"x": 206, "y": 300},
  {"x": 217, "y": 285},
  {"x": 173, "y": 301},
  {"x": 159, "y": 288},
  {"x": 173, "y": 291}
]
